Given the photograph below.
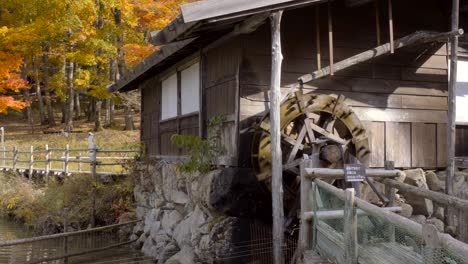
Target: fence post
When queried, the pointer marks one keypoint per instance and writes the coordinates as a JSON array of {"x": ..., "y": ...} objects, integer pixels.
[
  {"x": 432, "y": 244},
  {"x": 79, "y": 162},
  {"x": 15, "y": 157},
  {"x": 92, "y": 157},
  {"x": 462, "y": 219},
  {"x": 31, "y": 162},
  {"x": 4, "y": 156},
  {"x": 65, "y": 229},
  {"x": 350, "y": 229},
  {"x": 67, "y": 158},
  {"x": 47, "y": 163},
  {"x": 305, "y": 207},
  {"x": 390, "y": 193}
]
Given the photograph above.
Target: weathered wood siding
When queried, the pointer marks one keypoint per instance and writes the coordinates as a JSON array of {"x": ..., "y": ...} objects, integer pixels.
[
  {"x": 156, "y": 134},
  {"x": 220, "y": 91},
  {"x": 401, "y": 97}
]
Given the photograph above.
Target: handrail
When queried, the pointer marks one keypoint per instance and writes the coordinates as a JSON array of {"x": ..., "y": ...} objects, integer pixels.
[{"x": 47, "y": 237}]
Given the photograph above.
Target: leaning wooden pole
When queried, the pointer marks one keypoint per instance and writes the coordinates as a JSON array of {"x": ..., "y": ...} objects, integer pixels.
[
  {"x": 451, "y": 125},
  {"x": 276, "y": 155}
]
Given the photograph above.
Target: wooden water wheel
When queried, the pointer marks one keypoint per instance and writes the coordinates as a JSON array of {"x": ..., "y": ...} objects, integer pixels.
[{"x": 310, "y": 124}]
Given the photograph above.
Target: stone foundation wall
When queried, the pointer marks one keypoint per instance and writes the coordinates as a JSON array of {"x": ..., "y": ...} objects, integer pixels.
[{"x": 179, "y": 225}]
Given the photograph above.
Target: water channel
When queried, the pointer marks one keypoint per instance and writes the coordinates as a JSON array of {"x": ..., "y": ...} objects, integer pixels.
[{"x": 10, "y": 230}]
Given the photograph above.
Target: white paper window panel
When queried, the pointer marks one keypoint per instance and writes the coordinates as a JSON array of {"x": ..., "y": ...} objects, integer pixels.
[
  {"x": 169, "y": 97},
  {"x": 462, "y": 92},
  {"x": 190, "y": 89}
]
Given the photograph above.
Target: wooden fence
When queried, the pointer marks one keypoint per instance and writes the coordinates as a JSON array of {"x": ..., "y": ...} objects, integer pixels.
[{"x": 66, "y": 161}]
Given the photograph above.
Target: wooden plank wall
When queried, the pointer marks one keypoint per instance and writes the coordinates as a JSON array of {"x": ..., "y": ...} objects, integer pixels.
[
  {"x": 220, "y": 91},
  {"x": 401, "y": 97}
]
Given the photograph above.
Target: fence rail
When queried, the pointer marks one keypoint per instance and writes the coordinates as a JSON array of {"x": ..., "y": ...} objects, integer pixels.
[{"x": 66, "y": 161}]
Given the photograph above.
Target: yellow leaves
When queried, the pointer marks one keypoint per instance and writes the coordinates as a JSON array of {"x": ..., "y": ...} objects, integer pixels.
[{"x": 3, "y": 31}]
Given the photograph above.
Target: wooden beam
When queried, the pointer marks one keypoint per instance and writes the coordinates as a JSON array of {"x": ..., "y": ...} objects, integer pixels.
[
  {"x": 338, "y": 214},
  {"x": 415, "y": 38},
  {"x": 377, "y": 21},
  {"x": 451, "y": 124},
  {"x": 330, "y": 38},
  {"x": 325, "y": 173},
  {"x": 276, "y": 154},
  {"x": 317, "y": 36},
  {"x": 390, "y": 26},
  {"x": 325, "y": 133}
]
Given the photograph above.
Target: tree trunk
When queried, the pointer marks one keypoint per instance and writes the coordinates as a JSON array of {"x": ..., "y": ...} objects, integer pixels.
[
  {"x": 48, "y": 101},
  {"x": 70, "y": 96},
  {"x": 97, "y": 122},
  {"x": 38, "y": 92},
  {"x": 112, "y": 111},
  {"x": 107, "y": 121},
  {"x": 128, "y": 118},
  {"x": 77, "y": 105},
  {"x": 27, "y": 110}
]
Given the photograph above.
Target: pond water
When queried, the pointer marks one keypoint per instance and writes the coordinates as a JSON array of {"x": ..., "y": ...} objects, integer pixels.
[{"x": 24, "y": 253}]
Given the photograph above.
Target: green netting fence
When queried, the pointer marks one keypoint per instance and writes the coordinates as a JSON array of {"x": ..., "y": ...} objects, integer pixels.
[{"x": 379, "y": 239}]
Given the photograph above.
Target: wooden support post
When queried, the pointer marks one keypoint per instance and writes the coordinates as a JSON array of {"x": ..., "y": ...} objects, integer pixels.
[
  {"x": 317, "y": 36},
  {"x": 92, "y": 158},
  {"x": 350, "y": 229},
  {"x": 66, "y": 159},
  {"x": 377, "y": 21},
  {"x": 463, "y": 219},
  {"x": 330, "y": 38},
  {"x": 47, "y": 162},
  {"x": 451, "y": 124},
  {"x": 276, "y": 155},
  {"x": 31, "y": 162},
  {"x": 390, "y": 26},
  {"x": 432, "y": 243},
  {"x": 390, "y": 192},
  {"x": 306, "y": 206},
  {"x": 15, "y": 157}
]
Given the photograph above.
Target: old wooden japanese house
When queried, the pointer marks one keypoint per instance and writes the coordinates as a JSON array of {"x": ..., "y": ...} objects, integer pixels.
[{"x": 215, "y": 59}]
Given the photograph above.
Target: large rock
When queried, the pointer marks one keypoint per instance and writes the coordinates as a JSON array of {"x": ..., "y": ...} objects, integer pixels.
[
  {"x": 150, "y": 218},
  {"x": 420, "y": 219},
  {"x": 433, "y": 182},
  {"x": 416, "y": 177},
  {"x": 170, "y": 220},
  {"x": 149, "y": 247},
  {"x": 184, "y": 256},
  {"x": 406, "y": 210},
  {"x": 437, "y": 223},
  {"x": 155, "y": 227}
]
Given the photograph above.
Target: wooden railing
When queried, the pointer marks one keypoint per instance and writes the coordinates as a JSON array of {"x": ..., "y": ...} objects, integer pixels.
[{"x": 67, "y": 161}]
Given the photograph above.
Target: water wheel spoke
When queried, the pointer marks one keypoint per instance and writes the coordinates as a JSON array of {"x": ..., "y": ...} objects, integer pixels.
[
  {"x": 292, "y": 141},
  {"x": 327, "y": 134},
  {"x": 310, "y": 132},
  {"x": 299, "y": 144}
]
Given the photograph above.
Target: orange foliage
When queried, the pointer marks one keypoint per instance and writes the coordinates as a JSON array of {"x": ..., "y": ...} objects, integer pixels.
[
  {"x": 135, "y": 53},
  {"x": 10, "y": 81}
]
